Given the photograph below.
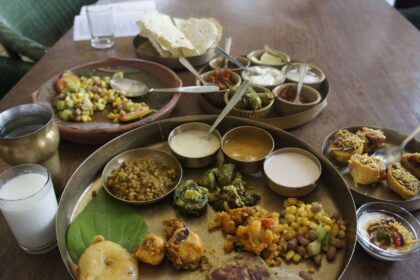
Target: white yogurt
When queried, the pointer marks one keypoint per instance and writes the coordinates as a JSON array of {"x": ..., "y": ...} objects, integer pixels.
[
  {"x": 310, "y": 77},
  {"x": 30, "y": 209},
  {"x": 194, "y": 143},
  {"x": 264, "y": 76},
  {"x": 291, "y": 169}
]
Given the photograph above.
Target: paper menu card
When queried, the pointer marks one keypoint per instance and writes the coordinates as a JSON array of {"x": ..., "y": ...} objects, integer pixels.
[{"x": 124, "y": 16}]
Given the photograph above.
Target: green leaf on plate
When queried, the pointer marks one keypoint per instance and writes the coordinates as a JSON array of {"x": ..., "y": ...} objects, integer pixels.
[{"x": 110, "y": 218}]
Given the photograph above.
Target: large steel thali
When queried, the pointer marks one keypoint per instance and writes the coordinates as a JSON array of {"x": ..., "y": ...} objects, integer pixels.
[{"x": 331, "y": 191}]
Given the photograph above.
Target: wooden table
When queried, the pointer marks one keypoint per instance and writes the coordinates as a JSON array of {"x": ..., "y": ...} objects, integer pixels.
[{"x": 369, "y": 52}]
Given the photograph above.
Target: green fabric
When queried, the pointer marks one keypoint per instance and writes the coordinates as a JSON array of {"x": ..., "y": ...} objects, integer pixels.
[
  {"x": 413, "y": 15},
  {"x": 11, "y": 71},
  {"x": 29, "y": 27}
]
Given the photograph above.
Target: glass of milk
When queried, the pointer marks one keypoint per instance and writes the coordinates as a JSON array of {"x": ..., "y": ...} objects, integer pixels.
[{"x": 28, "y": 202}]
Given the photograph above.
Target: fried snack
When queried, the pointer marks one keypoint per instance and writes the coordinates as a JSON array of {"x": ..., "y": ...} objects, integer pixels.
[
  {"x": 106, "y": 260},
  {"x": 254, "y": 229},
  {"x": 374, "y": 139},
  {"x": 401, "y": 181},
  {"x": 366, "y": 169},
  {"x": 152, "y": 250},
  {"x": 344, "y": 144},
  {"x": 185, "y": 249},
  {"x": 411, "y": 162}
]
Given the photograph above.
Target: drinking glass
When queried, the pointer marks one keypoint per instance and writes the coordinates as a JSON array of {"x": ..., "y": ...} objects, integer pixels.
[
  {"x": 101, "y": 26},
  {"x": 28, "y": 134},
  {"x": 28, "y": 202}
]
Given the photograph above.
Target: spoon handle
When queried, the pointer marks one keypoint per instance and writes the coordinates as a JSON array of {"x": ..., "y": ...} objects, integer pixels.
[
  {"x": 191, "y": 68},
  {"x": 241, "y": 90},
  {"x": 227, "y": 56},
  {"x": 409, "y": 137},
  {"x": 192, "y": 89},
  {"x": 228, "y": 44},
  {"x": 302, "y": 72}
]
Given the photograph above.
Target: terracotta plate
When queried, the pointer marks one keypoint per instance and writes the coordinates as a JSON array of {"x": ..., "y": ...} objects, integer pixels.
[{"x": 101, "y": 130}]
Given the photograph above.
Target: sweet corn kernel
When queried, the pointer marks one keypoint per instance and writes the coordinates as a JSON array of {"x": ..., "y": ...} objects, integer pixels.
[
  {"x": 295, "y": 226},
  {"x": 292, "y": 200},
  {"x": 300, "y": 203},
  {"x": 327, "y": 228},
  {"x": 301, "y": 211},
  {"x": 290, "y": 218},
  {"x": 343, "y": 227},
  {"x": 313, "y": 226},
  {"x": 305, "y": 221},
  {"x": 326, "y": 220},
  {"x": 296, "y": 258},
  {"x": 305, "y": 229},
  {"x": 341, "y": 234},
  {"x": 291, "y": 209},
  {"x": 290, "y": 255}
]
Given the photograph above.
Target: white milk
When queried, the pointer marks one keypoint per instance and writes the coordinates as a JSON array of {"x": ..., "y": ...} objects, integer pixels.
[
  {"x": 291, "y": 169},
  {"x": 194, "y": 143},
  {"x": 30, "y": 209}
]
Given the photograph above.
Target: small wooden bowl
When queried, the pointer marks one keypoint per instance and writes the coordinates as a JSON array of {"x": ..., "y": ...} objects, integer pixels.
[
  {"x": 217, "y": 98},
  {"x": 250, "y": 114},
  {"x": 285, "y": 108}
]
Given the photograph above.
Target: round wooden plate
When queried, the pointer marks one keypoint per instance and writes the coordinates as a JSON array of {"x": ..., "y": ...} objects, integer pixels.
[{"x": 100, "y": 130}]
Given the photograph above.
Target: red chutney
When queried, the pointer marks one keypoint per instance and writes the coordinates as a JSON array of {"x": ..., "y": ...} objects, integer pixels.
[
  {"x": 385, "y": 234},
  {"x": 223, "y": 78},
  {"x": 288, "y": 93}
]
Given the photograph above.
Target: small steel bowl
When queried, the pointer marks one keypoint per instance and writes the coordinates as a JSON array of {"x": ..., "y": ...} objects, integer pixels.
[
  {"x": 316, "y": 70},
  {"x": 219, "y": 63},
  {"x": 247, "y": 167},
  {"x": 289, "y": 191},
  {"x": 402, "y": 216},
  {"x": 248, "y": 74},
  {"x": 217, "y": 98},
  {"x": 255, "y": 58},
  {"x": 142, "y": 153},
  {"x": 194, "y": 162}
]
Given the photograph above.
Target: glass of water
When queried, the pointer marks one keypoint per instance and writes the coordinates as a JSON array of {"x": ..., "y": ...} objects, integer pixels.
[{"x": 101, "y": 26}]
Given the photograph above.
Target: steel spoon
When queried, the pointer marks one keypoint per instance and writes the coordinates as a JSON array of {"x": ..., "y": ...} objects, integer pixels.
[
  {"x": 228, "y": 45},
  {"x": 302, "y": 72},
  {"x": 137, "y": 89},
  {"x": 392, "y": 154},
  {"x": 235, "y": 98}
]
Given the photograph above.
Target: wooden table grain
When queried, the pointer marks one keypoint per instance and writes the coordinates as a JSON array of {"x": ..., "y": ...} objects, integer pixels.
[{"x": 369, "y": 52}]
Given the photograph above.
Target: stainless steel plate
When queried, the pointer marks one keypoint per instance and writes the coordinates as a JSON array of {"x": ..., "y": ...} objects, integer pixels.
[
  {"x": 378, "y": 192},
  {"x": 142, "y": 154},
  {"x": 331, "y": 191},
  {"x": 145, "y": 50}
]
